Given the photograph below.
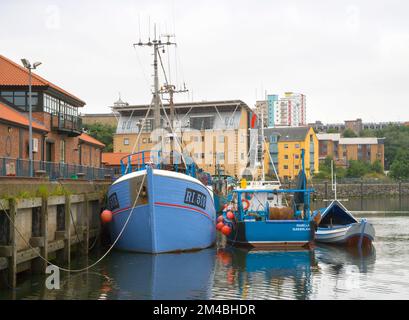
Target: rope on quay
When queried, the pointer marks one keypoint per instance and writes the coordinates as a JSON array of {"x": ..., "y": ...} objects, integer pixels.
[{"x": 100, "y": 259}]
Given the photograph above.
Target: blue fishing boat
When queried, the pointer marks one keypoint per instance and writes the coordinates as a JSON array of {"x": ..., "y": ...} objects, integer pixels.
[
  {"x": 259, "y": 216},
  {"x": 159, "y": 204},
  {"x": 174, "y": 210}
]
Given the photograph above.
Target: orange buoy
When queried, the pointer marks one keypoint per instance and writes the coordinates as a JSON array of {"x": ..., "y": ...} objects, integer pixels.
[
  {"x": 230, "y": 215},
  {"x": 226, "y": 230},
  {"x": 106, "y": 216},
  {"x": 219, "y": 226},
  {"x": 220, "y": 219}
]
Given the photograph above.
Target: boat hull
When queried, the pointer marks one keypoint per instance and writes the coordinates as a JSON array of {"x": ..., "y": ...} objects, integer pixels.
[
  {"x": 349, "y": 235},
  {"x": 169, "y": 221},
  {"x": 271, "y": 234}
]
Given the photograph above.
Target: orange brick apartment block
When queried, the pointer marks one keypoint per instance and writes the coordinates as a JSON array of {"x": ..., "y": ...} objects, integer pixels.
[{"x": 343, "y": 150}]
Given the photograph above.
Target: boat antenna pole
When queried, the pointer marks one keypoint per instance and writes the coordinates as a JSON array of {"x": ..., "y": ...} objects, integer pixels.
[
  {"x": 333, "y": 180},
  {"x": 157, "y": 44},
  {"x": 171, "y": 90},
  {"x": 263, "y": 175}
]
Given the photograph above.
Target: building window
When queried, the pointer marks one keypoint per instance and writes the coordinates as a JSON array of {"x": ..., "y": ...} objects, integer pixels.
[
  {"x": 286, "y": 156},
  {"x": 21, "y": 99},
  {"x": 285, "y": 167},
  {"x": 62, "y": 151},
  {"x": 148, "y": 125},
  {"x": 286, "y": 146},
  {"x": 297, "y": 145},
  {"x": 296, "y": 167},
  {"x": 202, "y": 123},
  {"x": 126, "y": 141},
  {"x": 242, "y": 156},
  {"x": 296, "y": 156},
  {"x": 221, "y": 139},
  {"x": 220, "y": 156}
]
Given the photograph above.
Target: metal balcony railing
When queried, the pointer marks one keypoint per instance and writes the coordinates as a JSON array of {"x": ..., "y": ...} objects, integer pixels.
[{"x": 10, "y": 167}]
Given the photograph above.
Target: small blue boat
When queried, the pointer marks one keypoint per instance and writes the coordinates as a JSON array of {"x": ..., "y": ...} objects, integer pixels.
[
  {"x": 174, "y": 211},
  {"x": 262, "y": 219},
  {"x": 337, "y": 225}
]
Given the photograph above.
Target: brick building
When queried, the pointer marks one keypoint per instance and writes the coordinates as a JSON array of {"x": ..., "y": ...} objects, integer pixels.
[
  {"x": 57, "y": 127},
  {"x": 343, "y": 150}
]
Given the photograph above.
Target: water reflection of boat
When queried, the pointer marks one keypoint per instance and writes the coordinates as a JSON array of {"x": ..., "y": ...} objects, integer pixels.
[
  {"x": 164, "y": 276},
  {"x": 363, "y": 258},
  {"x": 284, "y": 273},
  {"x": 275, "y": 263}
]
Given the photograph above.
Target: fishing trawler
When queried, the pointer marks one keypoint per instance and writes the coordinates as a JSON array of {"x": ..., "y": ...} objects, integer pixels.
[
  {"x": 259, "y": 214},
  {"x": 159, "y": 204}
]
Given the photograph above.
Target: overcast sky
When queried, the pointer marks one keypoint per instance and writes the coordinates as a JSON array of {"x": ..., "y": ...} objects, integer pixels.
[{"x": 350, "y": 58}]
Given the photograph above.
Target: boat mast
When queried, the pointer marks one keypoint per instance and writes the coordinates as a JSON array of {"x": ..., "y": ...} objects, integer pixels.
[
  {"x": 263, "y": 175},
  {"x": 157, "y": 44},
  {"x": 334, "y": 180}
]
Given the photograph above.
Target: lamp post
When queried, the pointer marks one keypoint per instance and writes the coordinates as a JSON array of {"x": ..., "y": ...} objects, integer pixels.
[{"x": 30, "y": 67}]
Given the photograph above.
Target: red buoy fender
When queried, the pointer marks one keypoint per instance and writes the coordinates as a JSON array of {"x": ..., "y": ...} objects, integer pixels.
[{"x": 106, "y": 216}]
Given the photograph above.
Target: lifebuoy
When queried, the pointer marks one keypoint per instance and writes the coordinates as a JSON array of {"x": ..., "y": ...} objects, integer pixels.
[{"x": 246, "y": 204}]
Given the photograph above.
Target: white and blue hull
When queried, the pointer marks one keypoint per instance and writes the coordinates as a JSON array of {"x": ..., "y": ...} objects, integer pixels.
[
  {"x": 344, "y": 235},
  {"x": 178, "y": 213}
]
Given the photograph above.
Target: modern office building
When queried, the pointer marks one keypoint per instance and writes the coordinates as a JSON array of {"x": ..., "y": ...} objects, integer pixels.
[{"x": 215, "y": 133}]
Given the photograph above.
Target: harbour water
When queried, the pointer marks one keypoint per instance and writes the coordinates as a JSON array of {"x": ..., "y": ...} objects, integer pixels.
[{"x": 226, "y": 273}]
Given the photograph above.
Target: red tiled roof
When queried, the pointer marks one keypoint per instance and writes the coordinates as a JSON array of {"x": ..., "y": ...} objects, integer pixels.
[
  {"x": 88, "y": 139},
  {"x": 114, "y": 158},
  {"x": 111, "y": 158},
  {"x": 9, "y": 114},
  {"x": 12, "y": 74}
]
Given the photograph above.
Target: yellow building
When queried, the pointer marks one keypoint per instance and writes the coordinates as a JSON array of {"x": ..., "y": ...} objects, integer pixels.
[
  {"x": 213, "y": 133},
  {"x": 283, "y": 147}
]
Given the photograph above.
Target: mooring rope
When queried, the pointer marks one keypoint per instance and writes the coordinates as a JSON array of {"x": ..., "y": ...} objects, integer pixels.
[{"x": 95, "y": 263}]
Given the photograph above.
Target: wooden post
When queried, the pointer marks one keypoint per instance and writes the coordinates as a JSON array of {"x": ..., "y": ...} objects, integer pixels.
[
  {"x": 39, "y": 265},
  {"x": 362, "y": 195},
  {"x": 86, "y": 242},
  {"x": 67, "y": 241},
  {"x": 400, "y": 195},
  {"x": 12, "y": 265},
  {"x": 44, "y": 232}
]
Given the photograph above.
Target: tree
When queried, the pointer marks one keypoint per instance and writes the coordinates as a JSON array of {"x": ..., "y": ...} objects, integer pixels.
[
  {"x": 400, "y": 166},
  {"x": 349, "y": 133},
  {"x": 358, "y": 169},
  {"x": 102, "y": 132},
  {"x": 332, "y": 130},
  {"x": 377, "y": 167}
]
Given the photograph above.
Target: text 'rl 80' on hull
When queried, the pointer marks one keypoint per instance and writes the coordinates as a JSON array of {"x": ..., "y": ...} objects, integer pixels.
[{"x": 174, "y": 212}]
